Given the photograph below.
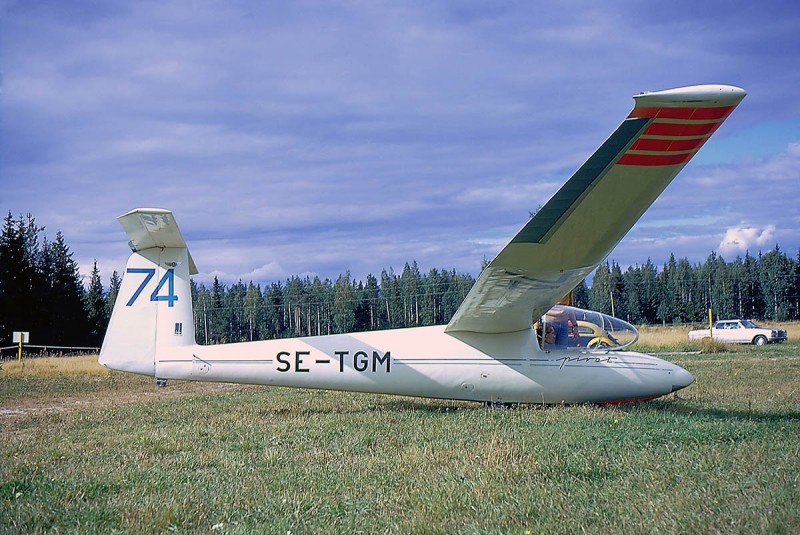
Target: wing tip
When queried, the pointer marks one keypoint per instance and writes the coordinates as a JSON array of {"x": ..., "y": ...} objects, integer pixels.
[{"x": 703, "y": 95}]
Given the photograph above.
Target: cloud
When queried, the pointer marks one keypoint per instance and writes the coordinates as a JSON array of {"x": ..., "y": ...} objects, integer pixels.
[
  {"x": 271, "y": 271},
  {"x": 743, "y": 239}
]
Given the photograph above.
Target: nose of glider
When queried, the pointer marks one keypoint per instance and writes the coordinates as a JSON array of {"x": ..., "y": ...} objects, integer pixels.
[{"x": 681, "y": 379}]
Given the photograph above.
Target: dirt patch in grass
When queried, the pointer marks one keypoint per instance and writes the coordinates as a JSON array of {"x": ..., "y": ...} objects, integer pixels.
[
  {"x": 108, "y": 395},
  {"x": 69, "y": 385}
]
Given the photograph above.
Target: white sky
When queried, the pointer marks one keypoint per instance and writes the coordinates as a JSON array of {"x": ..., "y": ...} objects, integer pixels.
[{"x": 294, "y": 138}]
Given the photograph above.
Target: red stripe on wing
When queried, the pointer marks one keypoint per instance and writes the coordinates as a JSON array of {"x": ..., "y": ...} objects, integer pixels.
[
  {"x": 654, "y": 159},
  {"x": 697, "y": 114},
  {"x": 680, "y": 129},
  {"x": 665, "y": 145}
]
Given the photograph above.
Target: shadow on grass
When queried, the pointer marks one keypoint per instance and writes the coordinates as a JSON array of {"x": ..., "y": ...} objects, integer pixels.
[
  {"x": 424, "y": 405},
  {"x": 367, "y": 403},
  {"x": 289, "y": 403},
  {"x": 391, "y": 404},
  {"x": 697, "y": 410}
]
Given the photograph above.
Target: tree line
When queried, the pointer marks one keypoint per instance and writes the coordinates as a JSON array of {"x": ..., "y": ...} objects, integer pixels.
[
  {"x": 766, "y": 287},
  {"x": 42, "y": 291},
  {"x": 308, "y": 307}
]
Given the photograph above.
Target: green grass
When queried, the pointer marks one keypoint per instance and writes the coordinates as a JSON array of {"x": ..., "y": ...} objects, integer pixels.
[{"x": 105, "y": 453}]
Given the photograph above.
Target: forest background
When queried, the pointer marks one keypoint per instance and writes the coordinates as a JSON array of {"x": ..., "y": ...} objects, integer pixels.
[{"x": 43, "y": 292}]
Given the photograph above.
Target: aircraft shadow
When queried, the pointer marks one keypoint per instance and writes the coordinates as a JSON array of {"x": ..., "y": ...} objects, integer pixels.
[
  {"x": 698, "y": 410},
  {"x": 679, "y": 406}
]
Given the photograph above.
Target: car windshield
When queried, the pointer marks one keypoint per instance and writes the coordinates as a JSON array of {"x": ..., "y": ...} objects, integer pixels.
[
  {"x": 750, "y": 325},
  {"x": 566, "y": 327}
]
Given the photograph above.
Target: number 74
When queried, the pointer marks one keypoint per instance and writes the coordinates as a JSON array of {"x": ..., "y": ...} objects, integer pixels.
[{"x": 149, "y": 273}]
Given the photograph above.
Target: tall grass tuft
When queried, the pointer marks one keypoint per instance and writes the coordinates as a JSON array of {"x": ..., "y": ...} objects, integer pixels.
[
  {"x": 707, "y": 345},
  {"x": 85, "y": 365}
]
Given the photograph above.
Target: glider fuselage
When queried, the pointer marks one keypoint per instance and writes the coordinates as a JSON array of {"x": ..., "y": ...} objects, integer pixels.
[{"x": 428, "y": 362}]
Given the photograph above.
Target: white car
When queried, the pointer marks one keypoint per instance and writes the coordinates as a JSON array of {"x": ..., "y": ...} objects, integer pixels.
[{"x": 740, "y": 332}]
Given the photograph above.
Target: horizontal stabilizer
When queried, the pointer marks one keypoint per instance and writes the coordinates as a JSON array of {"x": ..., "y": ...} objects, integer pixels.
[{"x": 149, "y": 228}]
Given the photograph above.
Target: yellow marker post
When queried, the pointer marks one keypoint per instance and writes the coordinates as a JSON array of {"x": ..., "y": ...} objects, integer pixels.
[
  {"x": 21, "y": 337},
  {"x": 710, "y": 324}
]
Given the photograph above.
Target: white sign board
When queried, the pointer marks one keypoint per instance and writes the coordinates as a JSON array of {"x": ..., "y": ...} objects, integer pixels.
[{"x": 21, "y": 335}]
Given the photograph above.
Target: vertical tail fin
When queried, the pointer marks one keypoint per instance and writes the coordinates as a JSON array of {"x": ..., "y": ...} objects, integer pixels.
[{"x": 153, "y": 311}]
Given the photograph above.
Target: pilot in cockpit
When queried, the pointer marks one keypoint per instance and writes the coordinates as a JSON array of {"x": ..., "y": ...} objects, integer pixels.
[
  {"x": 548, "y": 337},
  {"x": 563, "y": 322}
]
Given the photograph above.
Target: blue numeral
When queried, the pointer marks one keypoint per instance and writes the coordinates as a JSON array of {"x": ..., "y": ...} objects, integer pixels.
[
  {"x": 168, "y": 279},
  {"x": 149, "y": 272}
]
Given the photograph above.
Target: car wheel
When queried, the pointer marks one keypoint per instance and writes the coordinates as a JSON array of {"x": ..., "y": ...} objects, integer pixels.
[
  {"x": 760, "y": 340},
  {"x": 597, "y": 345}
]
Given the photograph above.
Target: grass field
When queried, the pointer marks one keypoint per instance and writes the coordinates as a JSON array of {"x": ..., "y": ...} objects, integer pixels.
[{"x": 88, "y": 450}]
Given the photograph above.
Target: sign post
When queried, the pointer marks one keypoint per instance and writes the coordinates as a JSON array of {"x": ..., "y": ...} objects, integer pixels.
[
  {"x": 21, "y": 337},
  {"x": 710, "y": 325}
]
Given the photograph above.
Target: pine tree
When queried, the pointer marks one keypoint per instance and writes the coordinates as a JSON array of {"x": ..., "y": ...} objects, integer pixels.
[
  {"x": 371, "y": 302},
  {"x": 68, "y": 322},
  {"x": 273, "y": 303},
  {"x": 601, "y": 290},
  {"x": 457, "y": 286},
  {"x": 11, "y": 268},
  {"x": 201, "y": 302},
  {"x": 580, "y": 295},
  {"x": 665, "y": 287},
  {"x": 254, "y": 312},
  {"x": 632, "y": 281},
  {"x": 360, "y": 307},
  {"x": 390, "y": 300},
  {"x": 723, "y": 290},
  {"x": 688, "y": 306},
  {"x": 753, "y": 296},
  {"x": 235, "y": 329},
  {"x": 619, "y": 299},
  {"x": 795, "y": 291},
  {"x": 95, "y": 306},
  {"x": 344, "y": 317},
  {"x": 21, "y": 278},
  {"x": 294, "y": 298},
  {"x": 114, "y": 285},
  {"x": 320, "y": 295},
  {"x": 216, "y": 316},
  {"x": 432, "y": 292},
  {"x": 648, "y": 293},
  {"x": 410, "y": 284},
  {"x": 774, "y": 275}
]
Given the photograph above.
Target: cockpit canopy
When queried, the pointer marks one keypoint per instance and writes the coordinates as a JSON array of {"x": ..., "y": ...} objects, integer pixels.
[{"x": 566, "y": 327}]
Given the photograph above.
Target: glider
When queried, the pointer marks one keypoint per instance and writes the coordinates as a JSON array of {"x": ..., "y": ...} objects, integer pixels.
[{"x": 491, "y": 351}]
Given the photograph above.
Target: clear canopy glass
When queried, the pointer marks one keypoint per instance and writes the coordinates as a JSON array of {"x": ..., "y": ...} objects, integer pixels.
[{"x": 566, "y": 327}]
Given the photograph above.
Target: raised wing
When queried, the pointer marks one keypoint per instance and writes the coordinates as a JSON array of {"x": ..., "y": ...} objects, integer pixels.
[
  {"x": 153, "y": 227},
  {"x": 598, "y": 205}
]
